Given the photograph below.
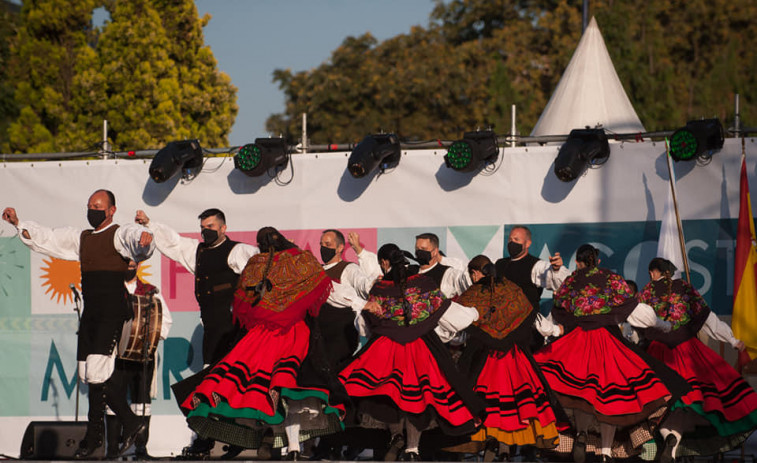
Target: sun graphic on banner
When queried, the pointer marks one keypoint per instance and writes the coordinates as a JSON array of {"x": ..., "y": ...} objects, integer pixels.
[
  {"x": 58, "y": 277},
  {"x": 142, "y": 272}
]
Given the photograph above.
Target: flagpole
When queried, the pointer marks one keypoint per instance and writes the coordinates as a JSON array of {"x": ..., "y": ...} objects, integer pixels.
[{"x": 681, "y": 240}]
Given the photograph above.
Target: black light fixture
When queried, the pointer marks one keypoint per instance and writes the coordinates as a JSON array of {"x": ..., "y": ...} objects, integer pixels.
[
  {"x": 583, "y": 147},
  {"x": 184, "y": 156},
  {"x": 254, "y": 159},
  {"x": 379, "y": 150},
  {"x": 698, "y": 139},
  {"x": 473, "y": 151}
]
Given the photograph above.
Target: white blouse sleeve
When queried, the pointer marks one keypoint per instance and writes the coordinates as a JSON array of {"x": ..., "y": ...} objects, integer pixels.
[
  {"x": 546, "y": 327},
  {"x": 369, "y": 264},
  {"x": 455, "y": 282},
  {"x": 239, "y": 256},
  {"x": 354, "y": 276},
  {"x": 719, "y": 330},
  {"x": 544, "y": 276},
  {"x": 454, "y": 320},
  {"x": 644, "y": 316},
  {"x": 174, "y": 246},
  {"x": 61, "y": 243},
  {"x": 126, "y": 241},
  {"x": 454, "y": 263}
]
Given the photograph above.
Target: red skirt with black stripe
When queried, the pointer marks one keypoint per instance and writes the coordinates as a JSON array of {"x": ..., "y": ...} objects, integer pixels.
[
  {"x": 264, "y": 361},
  {"x": 715, "y": 384},
  {"x": 513, "y": 392},
  {"x": 594, "y": 371},
  {"x": 409, "y": 375}
]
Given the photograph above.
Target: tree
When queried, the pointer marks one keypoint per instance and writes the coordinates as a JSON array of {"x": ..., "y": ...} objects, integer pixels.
[
  {"x": 678, "y": 61},
  {"x": 8, "y": 110},
  {"x": 146, "y": 71},
  {"x": 208, "y": 100},
  {"x": 50, "y": 49}
]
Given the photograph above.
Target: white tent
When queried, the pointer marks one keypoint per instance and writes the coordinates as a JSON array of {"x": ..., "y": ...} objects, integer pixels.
[{"x": 589, "y": 93}]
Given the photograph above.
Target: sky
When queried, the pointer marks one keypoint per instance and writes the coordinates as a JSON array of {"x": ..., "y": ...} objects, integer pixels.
[{"x": 252, "y": 38}]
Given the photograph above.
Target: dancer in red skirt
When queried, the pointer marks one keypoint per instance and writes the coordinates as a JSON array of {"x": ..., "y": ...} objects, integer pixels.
[
  {"x": 404, "y": 377},
  {"x": 616, "y": 394},
  {"x": 497, "y": 354},
  {"x": 720, "y": 412},
  {"x": 256, "y": 387}
]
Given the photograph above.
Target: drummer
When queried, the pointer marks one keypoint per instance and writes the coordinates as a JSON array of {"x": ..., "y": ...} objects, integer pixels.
[
  {"x": 137, "y": 376},
  {"x": 103, "y": 251}
]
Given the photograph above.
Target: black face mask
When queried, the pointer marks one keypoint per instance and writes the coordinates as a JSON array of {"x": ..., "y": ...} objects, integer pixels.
[
  {"x": 327, "y": 254},
  {"x": 209, "y": 236},
  {"x": 514, "y": 249},
  {"x": 423, "y": 257},
  {"x": 95, "y": 217},
  {"x": 130, "y": 274}
]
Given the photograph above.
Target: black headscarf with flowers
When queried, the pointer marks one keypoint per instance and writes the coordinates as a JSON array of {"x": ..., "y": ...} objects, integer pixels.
[
  {"x": 592, "y": 298},
  {"x": 679, "y": 303}
]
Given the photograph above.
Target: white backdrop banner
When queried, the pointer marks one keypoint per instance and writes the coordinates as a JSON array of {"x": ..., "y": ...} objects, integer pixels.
[{"x": 617, "y": 207}]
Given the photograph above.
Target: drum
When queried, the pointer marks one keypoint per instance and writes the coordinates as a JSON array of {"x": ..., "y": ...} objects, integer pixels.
[{"x": 143, "y": 331}]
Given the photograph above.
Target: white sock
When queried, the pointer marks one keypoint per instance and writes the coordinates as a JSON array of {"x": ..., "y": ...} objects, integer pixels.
[
  {"x": 293, "y": 437},
  {"x": 413, "y": 437}
]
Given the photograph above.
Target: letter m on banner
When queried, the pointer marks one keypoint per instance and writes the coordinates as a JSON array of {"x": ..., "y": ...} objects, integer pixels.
[{"x": 53, "y": 360}]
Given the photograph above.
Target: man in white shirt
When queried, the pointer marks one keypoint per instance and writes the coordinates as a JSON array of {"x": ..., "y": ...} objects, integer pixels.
[
  {"x": 216, "y": 263},
  {"x": 103, "y": 252},
  {"x": 452, "y": 281}
]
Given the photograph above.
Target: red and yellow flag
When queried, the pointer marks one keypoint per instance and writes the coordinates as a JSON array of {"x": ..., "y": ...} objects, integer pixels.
[{"x": 744, "y": 322}]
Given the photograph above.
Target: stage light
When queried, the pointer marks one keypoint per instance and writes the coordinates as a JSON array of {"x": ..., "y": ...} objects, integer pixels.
[
  {"x": 381, "y": 150},
  {"x": 254, "y": 159},
  {"x": 184, "y": 156},
  {"x": 473, "y": 151},
  {"x": 698, "y": 139},
  {"x": 583, "y": 147}
]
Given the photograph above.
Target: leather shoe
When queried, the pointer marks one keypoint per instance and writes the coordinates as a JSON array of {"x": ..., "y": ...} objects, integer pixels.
[
  {"x": 131, "y": 436},
  {"x": 410, "y": 456},
  {"x": 294, "y": 455},
  {"x": 395, "y": 446}
]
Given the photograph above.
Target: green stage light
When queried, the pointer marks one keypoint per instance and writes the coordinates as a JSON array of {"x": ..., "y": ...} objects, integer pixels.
[
  {"x": 472, "y": 152},
  {"x": 698, "y": 139},
  {"x": 248, "y": 157},
  {"x": 459, "y": 155},
  {"x": 254, "y": 159}
]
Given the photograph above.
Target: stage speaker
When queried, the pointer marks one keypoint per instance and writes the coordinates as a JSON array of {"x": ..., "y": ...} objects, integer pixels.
[{"x": 54, "y": 440}]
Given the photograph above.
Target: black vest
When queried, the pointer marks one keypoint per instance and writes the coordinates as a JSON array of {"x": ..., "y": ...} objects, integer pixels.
[
  {"x": 215, "y": 283},
  {"x": 213, "y": 274},
  {"x": 519, "y": 272},
  {"x": 437, "y": 273}
]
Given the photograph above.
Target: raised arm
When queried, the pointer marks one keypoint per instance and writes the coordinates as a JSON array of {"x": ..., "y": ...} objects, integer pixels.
[
  {"x": 549, "y": 275},
  {"x": 61, "y": 243},
  {"x": 169, "y": 243}
]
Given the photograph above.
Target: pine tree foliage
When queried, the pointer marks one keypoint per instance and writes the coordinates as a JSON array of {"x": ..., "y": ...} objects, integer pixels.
[{"x": 146, "y": 71}]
